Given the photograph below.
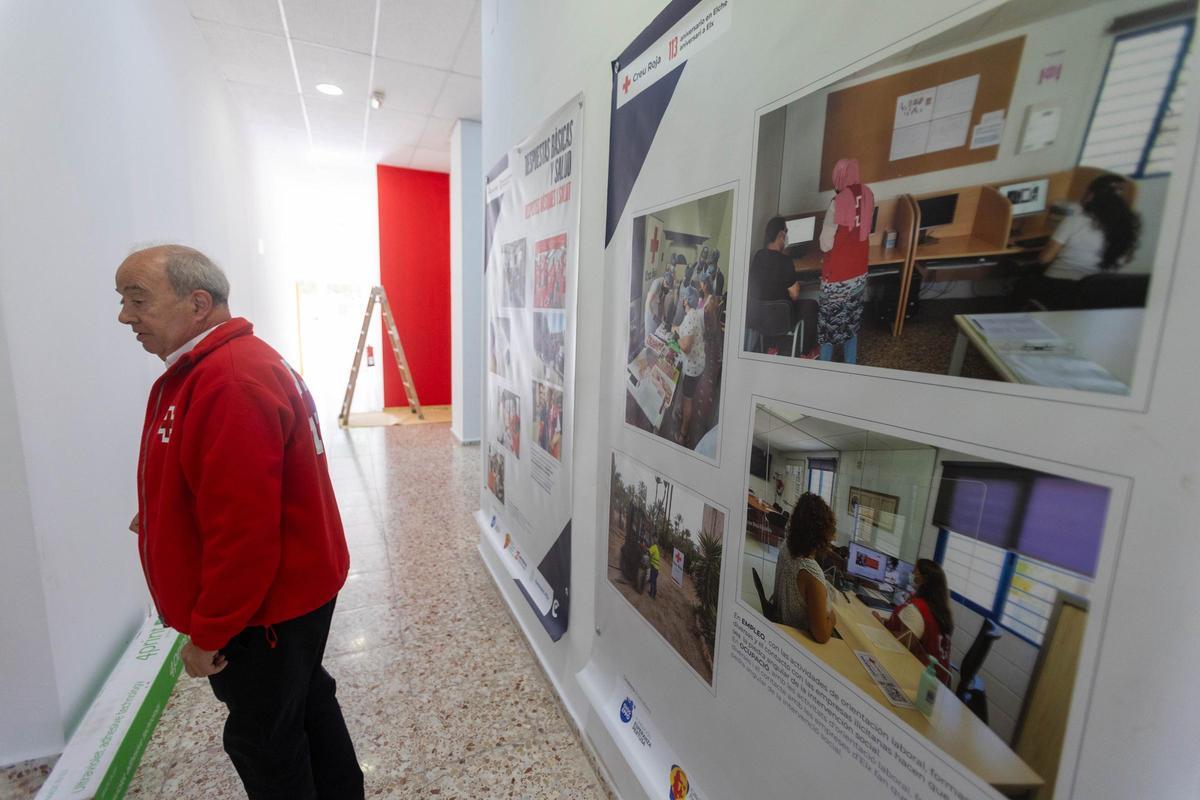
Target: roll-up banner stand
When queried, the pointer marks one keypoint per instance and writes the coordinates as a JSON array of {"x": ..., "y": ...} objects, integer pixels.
[{"x": 531, "y": 232}]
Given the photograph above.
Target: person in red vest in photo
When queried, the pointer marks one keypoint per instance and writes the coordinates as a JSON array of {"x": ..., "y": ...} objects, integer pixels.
[
  {"x": 239, "y": 533},
  {"x": 926, "y": 616},
  {"x": 845, "y": 242}
]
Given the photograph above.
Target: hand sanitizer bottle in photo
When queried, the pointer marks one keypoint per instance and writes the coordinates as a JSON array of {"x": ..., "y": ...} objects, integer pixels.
[{"x": 927, "y": 689}]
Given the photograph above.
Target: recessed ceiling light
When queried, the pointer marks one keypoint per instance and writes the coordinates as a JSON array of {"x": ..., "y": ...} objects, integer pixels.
[{"x": 329, "y": 88}]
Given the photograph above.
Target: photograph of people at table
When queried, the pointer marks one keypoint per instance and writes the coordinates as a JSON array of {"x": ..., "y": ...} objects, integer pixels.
[
  {"x": 550, "y": 272},
  {"x": 506, "y": 410},
  {"x": 547, "y": 417},
  {"x": 495, "y": 471},
  {"x": 549, "y": 345},
  {"x": 664, "y": 557},
  {"x": 512, "y": 258},
  {"x": 978, "y": 573},
  {"x": 988, "y": 205},
  {"x": 677, "y": 321},
  {"x": 499, "y": 346}
]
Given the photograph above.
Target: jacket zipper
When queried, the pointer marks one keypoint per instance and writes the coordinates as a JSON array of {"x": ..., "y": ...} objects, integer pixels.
[{"x": 145, "y": 537}]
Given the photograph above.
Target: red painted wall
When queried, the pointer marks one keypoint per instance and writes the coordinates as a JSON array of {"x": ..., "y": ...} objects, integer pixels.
[{"x": 414, "y": 267}]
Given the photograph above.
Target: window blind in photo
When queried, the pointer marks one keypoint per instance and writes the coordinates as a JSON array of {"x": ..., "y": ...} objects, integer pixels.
[
  {"x": 1063, "y": 523},
  {"x": 973, "y": 569},
  {"x": 1056, "y": 520},
  {"x": 982, "y": 501},
  {"x": 1133, "y": 126}
]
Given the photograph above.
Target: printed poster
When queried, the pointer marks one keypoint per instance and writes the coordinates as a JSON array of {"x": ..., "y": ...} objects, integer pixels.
[{"x": 530, "y": 261}]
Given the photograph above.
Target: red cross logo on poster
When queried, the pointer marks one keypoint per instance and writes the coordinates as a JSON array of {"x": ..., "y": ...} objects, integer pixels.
[
  {"x": 625, "y": 85},
  {"x": 673, "y": 48}
]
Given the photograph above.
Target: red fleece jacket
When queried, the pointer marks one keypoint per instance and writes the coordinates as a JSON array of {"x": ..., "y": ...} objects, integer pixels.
[{"x": 238, "y": 522}]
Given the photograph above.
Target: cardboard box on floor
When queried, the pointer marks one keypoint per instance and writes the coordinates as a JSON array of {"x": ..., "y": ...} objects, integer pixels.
[{"x": 103, "y": 754}]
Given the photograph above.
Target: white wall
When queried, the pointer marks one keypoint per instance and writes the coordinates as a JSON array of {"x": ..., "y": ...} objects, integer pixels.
[
  {"x": 117, "y": 130},
  {"x": 31, "y": 723},
  {"x": 466, "y": 280}
]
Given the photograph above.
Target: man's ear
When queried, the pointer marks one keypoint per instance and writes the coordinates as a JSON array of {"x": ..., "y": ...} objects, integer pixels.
[{"x": 202, "y": 302}]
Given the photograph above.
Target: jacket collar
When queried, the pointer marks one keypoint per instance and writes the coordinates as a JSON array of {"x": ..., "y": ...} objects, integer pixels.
[{"x": 218, "y": 336}]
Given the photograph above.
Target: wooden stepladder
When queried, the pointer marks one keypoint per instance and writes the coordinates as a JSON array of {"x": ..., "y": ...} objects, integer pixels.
[{"x": 389, "y": 325}]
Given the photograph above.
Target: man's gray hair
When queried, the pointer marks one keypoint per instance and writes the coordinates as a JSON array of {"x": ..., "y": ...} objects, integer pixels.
[{"x": 188, "y": 270}]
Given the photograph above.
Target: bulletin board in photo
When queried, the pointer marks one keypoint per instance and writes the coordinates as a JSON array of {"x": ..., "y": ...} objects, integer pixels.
[{"x": 985, "y": 206}]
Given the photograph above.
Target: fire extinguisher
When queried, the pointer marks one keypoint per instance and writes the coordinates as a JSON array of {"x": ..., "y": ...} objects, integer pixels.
[{"x": 370, "y": 356}]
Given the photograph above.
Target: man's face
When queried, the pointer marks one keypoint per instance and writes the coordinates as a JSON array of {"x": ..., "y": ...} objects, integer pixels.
[{"x": 161, "y": 320}]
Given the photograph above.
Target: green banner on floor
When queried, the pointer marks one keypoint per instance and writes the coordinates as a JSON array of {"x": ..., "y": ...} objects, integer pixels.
[{"x": 101, "y": 758}]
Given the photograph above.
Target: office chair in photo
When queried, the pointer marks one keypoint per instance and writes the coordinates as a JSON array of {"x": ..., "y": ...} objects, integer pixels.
[
  {"x": 1103, "y": 290},
  {"x": 772, "y": 319},
  {"x": 768, "y": 608},
  {"x": 1113, "y": 290},
  {"x": 971, "y": 690}
]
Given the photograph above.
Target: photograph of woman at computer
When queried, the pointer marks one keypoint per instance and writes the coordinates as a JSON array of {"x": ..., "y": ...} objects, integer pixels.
[{"x": 969, "y": 579}]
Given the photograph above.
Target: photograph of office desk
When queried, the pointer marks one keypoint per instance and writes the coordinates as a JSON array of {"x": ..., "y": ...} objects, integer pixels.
[
  {"x": 879, "y": 256},
  {"x": 1107, "y": 336},
  {"x": 962, "y": 247},
  {"x": 952, "y": 726}
]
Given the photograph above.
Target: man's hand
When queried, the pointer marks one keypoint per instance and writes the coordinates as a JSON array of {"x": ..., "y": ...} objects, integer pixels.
[
  {"x": 201, "y": 663},
  {"x": 133, "y": 524},
  {"x": 794, "y": 291}
]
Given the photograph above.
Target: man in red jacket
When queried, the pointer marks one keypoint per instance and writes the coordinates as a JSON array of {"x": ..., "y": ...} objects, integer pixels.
[{"x": 238, "y": 529}]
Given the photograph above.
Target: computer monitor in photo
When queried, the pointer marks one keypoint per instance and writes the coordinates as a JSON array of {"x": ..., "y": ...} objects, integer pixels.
[
  {"x": 800, "y": 231},
  {"x": 936, "y": 211},
  {"x": 1027, "y": 197},
  {"x": 865, "y": 562}
]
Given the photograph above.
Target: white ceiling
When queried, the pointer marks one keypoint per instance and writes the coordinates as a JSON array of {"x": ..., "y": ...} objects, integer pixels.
[
  {"x": 785, "y": 429},
  {"x": 424, "y": 55}
]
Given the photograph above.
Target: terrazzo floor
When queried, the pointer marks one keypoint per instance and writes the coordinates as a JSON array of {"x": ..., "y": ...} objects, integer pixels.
[{"x": 441, "y": 694}]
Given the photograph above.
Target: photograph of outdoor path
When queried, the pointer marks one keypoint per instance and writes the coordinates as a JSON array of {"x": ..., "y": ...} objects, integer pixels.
[{"x": 664, "y": 557}]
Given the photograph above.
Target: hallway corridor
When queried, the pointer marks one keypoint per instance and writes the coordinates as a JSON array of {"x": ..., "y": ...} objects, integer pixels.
[{"x": 440, "y": 692}]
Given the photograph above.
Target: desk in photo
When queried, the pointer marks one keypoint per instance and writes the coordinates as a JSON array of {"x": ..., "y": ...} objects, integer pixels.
[
  {"x": 1106, "y": 336},
  {"x": 651, "y": 379},
  {"x": 952, "y": 726}
]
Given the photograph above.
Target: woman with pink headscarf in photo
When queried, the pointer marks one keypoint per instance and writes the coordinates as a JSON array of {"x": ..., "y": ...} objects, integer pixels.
[{"x": 844, "y": 241}]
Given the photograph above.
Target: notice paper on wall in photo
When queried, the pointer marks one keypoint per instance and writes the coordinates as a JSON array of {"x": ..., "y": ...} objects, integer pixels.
[{"x": 1041, "y": 128}]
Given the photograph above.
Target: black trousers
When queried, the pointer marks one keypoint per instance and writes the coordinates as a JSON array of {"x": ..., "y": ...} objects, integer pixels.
[{"x": 285, "y": 733}]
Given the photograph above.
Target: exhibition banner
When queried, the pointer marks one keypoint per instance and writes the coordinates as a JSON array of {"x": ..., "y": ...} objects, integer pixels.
[
  {"x": 103, "y": 755},
  {"x": 531, "y": 261},
  {"x": 915, "y": 613}
]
